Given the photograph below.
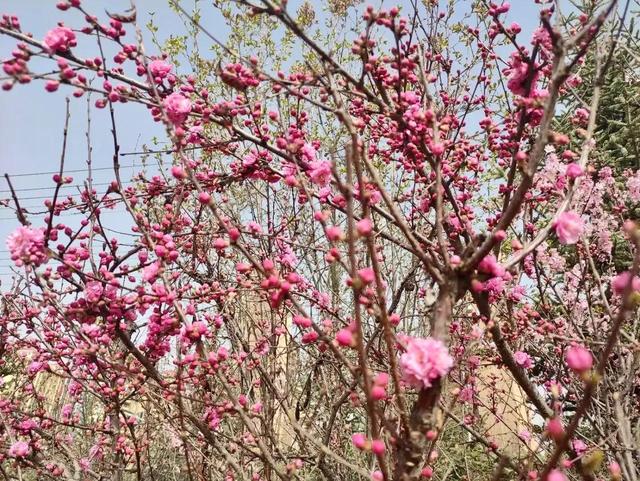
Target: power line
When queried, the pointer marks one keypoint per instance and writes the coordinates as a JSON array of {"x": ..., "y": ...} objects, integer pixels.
[
  {"x": 76, "y": 185},
  {"x": 73, "y": 171},
  {"x": 67, "y": 214},
  {"x": 30, "y": 189}
]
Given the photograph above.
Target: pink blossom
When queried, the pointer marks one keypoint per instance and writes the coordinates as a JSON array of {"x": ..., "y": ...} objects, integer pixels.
[
  {"x": 378, "y": 393},
  {"x": 579, "y": 359},
  {"x": 579, "y": 446},
  {"x": 381, "y": 379},
  {"x": 427, "y": 472},
  {"x": 367, "y": 275},
  {"x": 93, "y": 291},
  {"x": 178, "y": 172},
  {"x": 359, "y": 440},
  {"x": 519, "y": 74},
  {"x": 320, "y": 172},
  {"x": 364, "y": 227},
  {"x": 619, "y": 283},
  {"x": 436, "y": 149},
  {"x": 51, "y": 85},
  {"x": 569, "y": 227},
  {"x": 490, "y": 265},
  {"x": 204, "y": 197},
  {"x": 19, "y": 449},
  {"x": 344, "y": 337},
  {"x": 59, "y": 39},
  {"x": 425, "y": 361},
  {"x": 555, "y": 429},
  {"x": 580, "y": 116},
  {"x": 614, "y": 469},
  {"x": 525, "y": 435},
  {"x": 177, "y": 107},
  {"x": 26, "y": 246},
  {"x": 556, "y": 475},
  {"x": 574, "y": 171},
  {"x": 377, "y": 447},
  {"x": 150, "y": 273},
  {"x": 523, "y": 359},
  {"x": 159, "y": 69},
  {"x": 308, "y": 152},
  {"x": 334, "y": 233}
]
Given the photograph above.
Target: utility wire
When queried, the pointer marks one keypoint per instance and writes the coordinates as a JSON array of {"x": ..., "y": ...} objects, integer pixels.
[{"x": 73, "y": 171}]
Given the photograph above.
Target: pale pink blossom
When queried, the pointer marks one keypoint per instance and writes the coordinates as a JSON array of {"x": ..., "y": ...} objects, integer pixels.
[
  {"x": 614, "y": 469},
  {"x": 490, "y": 265},
  {"x": 334, "y": 233},
  {"x": 177, "y": 107},
  {"x": 26, "y": 246},
  {"x": 633, "y": 187},
  {"x": 569, "y": 227},
  {"x": 580, "y": 116},
  {"x": 425, "y": 361},
  {"x": 579, "y": 446},
  {"x": 59, "y": 39}
]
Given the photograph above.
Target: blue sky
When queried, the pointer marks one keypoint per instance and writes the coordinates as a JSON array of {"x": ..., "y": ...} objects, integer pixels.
[{"x": 31, "y": 120}]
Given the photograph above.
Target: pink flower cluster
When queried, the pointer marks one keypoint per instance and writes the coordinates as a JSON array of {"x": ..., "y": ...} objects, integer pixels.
[
  {"x": 59, "y": 39},
  {"x": 238, "y": 76},
  {"x": 424, "y": 361},
  {"x": 177, "y": 107},
  {"x": 26, "y": 246}
]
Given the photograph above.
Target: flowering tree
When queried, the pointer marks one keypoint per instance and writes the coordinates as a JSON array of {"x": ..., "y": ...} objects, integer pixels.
[{"x": 347, "y": 262}]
